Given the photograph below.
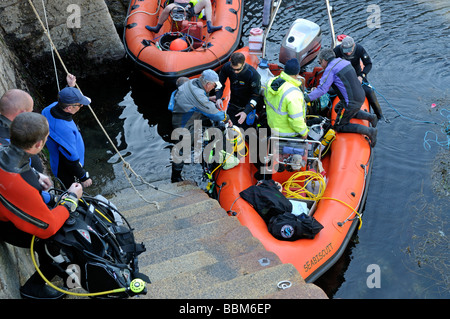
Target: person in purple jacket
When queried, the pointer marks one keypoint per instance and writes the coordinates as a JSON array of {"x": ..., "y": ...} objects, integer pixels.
[{"x": 340, "y": 75}]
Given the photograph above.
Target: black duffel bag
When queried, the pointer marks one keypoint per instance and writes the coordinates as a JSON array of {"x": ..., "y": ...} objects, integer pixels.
[
  {"x": 266, "y": 199},
  {"x": 289, "y": 227}
]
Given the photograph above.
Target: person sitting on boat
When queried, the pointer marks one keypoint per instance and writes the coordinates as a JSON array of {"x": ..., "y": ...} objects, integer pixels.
[
  {"x": 66, "y": 145},
  {"x": 192, "y": 7},
  {"x": 285, "y": 104},
  {"x": 355, "y": 53},
  {"x": 192, "y": 103},
  {"x": 23, "y": 212},
  {"x": 340, "y": 75},
  {"x": 245, "y": 86}
]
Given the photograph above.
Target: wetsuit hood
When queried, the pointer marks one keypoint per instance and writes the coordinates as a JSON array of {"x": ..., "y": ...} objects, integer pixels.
[{"x": 13, "y": 159}]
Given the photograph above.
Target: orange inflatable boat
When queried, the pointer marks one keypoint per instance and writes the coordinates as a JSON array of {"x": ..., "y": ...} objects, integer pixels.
[
  {"x": 181, "y": 47},
  {"x": 337, "y": 207}
]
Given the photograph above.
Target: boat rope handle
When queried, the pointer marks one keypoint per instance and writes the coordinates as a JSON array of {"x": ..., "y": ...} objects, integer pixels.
[
  {"x": 149, "y": 13},
  {"x": 125, "y": 163}
]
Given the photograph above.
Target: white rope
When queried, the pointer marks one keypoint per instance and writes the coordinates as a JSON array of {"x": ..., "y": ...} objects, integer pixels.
[{"x": 51, "y": 49}]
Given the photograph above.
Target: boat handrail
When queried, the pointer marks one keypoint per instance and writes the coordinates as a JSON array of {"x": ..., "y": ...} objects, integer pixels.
[{"x": 298, "y": 140}]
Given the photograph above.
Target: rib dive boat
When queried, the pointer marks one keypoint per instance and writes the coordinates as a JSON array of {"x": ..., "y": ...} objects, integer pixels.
[
  {"x": 324, "y": 177},
  {"x": 183, "y": 46}
]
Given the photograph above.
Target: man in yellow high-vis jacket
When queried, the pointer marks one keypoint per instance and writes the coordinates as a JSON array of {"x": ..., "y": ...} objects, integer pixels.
[{"x": 285, "y": 104}]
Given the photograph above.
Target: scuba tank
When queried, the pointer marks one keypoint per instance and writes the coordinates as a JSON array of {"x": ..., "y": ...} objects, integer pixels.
[{"x": 326, "y": 141}]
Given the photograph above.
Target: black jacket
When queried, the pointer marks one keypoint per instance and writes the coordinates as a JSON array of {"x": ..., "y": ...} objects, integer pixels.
[
  {"x": 358, "y": 55},
  {"x": 245, "y": 85}
]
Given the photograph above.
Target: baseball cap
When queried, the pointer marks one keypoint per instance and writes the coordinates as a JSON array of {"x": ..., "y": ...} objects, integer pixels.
[
  {"x": 211, "y": 76},
  {"x": 347, "y": 44},
  {"x": 70, "y": 95}
]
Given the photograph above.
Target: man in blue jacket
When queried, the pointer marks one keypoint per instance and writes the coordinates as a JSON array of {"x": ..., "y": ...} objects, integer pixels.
[
  {"x": 65, "y": 143},
  {"x": 341, "y": 75}
]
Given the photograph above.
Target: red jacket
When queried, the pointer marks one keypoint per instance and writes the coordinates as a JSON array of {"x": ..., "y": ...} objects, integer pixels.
[{"x": 22, "y": 204}]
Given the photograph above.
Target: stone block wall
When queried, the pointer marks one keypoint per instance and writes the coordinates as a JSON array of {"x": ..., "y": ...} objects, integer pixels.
[{"x": 82, "y": 31}]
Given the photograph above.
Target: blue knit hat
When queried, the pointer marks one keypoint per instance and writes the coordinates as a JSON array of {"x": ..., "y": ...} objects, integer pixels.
[{"x": 292, "y": 67}]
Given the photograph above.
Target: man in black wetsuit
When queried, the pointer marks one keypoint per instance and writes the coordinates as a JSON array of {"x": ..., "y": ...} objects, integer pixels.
[
  {"x": 245, "y": 85},
  {"x": 354, "y": 53}
]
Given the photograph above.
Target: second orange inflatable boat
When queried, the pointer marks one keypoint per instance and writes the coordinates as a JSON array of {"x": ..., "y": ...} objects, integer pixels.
[{"x": 182, "y": 47}]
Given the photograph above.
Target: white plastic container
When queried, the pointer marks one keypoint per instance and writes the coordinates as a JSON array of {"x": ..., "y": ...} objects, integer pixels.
[
  {"x": 316, "y": 132},
  {"x": 255, "y": 41}
]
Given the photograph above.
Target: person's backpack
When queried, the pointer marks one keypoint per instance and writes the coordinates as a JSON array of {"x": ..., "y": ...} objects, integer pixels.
[
  {"x": 266, "y": 199},
  {"x": 290, "y": 227},
  {"x": 96, "y": 247}
]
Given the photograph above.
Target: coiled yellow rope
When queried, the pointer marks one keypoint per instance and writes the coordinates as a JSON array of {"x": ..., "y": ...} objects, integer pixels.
[{"x": 296, "y": 187}]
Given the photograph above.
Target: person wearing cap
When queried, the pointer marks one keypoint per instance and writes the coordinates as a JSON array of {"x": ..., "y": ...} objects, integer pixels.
[
  {"x": 192, "y": 103},
  {"x": 339, "y": 74},
  {"x": 355, "y": 54},
  {"x": 245, "y": 87},
  {"x": 285, "y": 104},
  {"x": 65, "y": 143}
]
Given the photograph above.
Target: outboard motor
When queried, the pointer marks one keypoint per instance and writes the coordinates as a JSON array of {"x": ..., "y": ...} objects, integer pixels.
[{"x": 303, "y": 41}]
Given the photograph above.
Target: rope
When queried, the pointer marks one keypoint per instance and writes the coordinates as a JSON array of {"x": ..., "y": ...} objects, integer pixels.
[
  {"x": 53, "y": 55},
  {"x": 296, "y": 187},
  {"x": 445, "y": 127},
  {"x": 125, "y": 163}
]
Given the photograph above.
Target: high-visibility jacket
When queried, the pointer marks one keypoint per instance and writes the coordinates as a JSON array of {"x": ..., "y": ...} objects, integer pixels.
[{"x": 285, "y": 106}]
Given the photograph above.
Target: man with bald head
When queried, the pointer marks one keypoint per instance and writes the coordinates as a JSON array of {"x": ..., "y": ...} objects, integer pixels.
[{"x": 12, "y": 103}]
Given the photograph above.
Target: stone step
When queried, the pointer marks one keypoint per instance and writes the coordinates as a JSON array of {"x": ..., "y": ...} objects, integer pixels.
[
  {"x": 236, "y": 242},
  {"x": 129, "y": 198},
  {"x": 170, "y": 203},
  {"x": 191, "y": 274},
  {"x": 208, "y": 230},
  {"x": 252, "y": 286},
  {"x": 148, "y": 228},
  {"x": 177, "y": 215}
]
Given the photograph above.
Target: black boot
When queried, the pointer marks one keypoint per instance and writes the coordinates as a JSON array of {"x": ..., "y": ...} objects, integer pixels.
[
  {"x": 177, "y": 168},
  {"x": 36, "y": 288},
  {"x": 154, "y": 29},
  {"x": 363, "y": 115},
  {"x": 373, "y": 136},
  {"x": 212, "y": 28},
  {"x": 374, "y": 120},
  {"x": 373, "y": 101},
  {"x": 371, "y": 132}
]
